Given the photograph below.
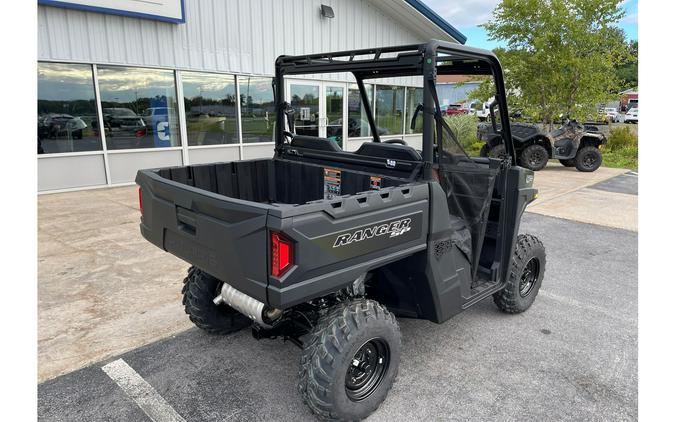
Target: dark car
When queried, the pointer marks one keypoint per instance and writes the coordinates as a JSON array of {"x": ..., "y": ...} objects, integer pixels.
[{"x": 123, "y": 127}]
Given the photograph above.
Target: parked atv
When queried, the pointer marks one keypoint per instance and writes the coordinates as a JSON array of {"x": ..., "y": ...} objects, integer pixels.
[{"x": 573, "y": 144}]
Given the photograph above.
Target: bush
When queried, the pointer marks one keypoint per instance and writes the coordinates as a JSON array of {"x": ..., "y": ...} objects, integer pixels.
[
  {"x": 621, "y": 149},
  {"x": 464, "y": 126},
  {"x": 621, "y": 137}
]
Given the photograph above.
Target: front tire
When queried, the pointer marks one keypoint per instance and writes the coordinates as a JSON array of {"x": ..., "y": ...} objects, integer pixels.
[
  {"x": 199, "y": 289},
  {"x": 350, "y": 361},
  {"x": 498, "y": 151},
  {"x": 588, "y": 159},
  {"x": 527, "y": 273},
  {"x": 534, "y": 157}
]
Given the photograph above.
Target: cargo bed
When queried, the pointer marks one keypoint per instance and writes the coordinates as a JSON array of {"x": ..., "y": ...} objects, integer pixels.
[{"x": 219, "y": 217}]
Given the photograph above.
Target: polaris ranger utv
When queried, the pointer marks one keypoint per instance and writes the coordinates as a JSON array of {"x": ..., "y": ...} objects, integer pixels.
[{"x": 326, "y": 248}]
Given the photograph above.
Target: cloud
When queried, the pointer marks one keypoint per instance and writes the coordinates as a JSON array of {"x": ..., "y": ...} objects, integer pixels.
[
  {"x": 629, "y": 19},
  {"x": 463, "y": 14}
]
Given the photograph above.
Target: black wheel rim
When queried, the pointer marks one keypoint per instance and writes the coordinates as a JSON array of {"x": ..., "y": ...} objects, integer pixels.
[
  {"x": 529, "y": 277},
  {"x": 536, "y": 158},
  {"x": 589, "y": 160},
  {"x": 367, "y": 369}
]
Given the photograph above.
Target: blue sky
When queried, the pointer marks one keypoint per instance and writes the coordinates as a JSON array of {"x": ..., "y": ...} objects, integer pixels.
[{"x": 467, "y": 15}]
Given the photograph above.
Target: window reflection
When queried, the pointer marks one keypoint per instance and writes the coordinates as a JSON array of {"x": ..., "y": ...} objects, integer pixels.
[
  {"x": 139, "y": 107},
  {"x": 257, "y": 109},
  {"x": 413, "y": 99},
  {"x": 357, "y": 121},
  {"x": 66, "y": 109},
  {"x": 389, "y": 109},
  {"x": 210, "y": 108}
]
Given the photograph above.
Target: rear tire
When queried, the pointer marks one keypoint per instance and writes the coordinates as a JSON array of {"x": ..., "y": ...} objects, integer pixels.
[
  {"x": 568, "y": 163},
  {"x": 350, "y": 361},
  {"x": 588, "y": 159},
  {"x": 199, "y": 289},
  {"x": 534, "y": 157},
  {"x": 527, "y": 273}
]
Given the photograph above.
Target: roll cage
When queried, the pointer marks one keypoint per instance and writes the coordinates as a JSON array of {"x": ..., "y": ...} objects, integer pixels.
[{"x": 427, "y": 60}]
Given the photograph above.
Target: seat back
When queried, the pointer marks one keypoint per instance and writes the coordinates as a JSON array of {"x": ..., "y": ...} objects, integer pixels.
[
  {"x": 391, "y": 151},
  {"x": 314, "y": 142}
]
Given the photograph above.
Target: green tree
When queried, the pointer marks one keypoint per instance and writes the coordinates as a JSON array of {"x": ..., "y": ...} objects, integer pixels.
[
  {"x": 560, "y": 55},
  {"x": 628, "y": 72}
]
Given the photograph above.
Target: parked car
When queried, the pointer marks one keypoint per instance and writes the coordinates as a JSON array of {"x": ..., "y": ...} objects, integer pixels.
[
  {"x": 123, "y": 127},
  {"x": 118, "y": 117},
  {"x": 55, "y": 125},
  {"x": 454, "y": 109},
  {"x": 153, "y": 115},
  {"x": 612, "y": 114},
  {"x": 631, "y": 116},
  {"x": 326, "y": 248},
  {"x": 481, "y": 110}
]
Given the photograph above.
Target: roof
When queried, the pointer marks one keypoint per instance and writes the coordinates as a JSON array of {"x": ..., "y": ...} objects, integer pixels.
[
  {"x": 437, "y": 20},
  {"x": 453, "y": 79}
]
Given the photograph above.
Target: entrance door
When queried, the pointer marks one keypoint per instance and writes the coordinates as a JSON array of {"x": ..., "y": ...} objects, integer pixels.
[{"x": 319, "y": 108}]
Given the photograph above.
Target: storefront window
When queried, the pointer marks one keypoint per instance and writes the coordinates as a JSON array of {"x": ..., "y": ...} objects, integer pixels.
[
  {"x": 413, "y": 99},
  {"x": 257, "y": 109},
  {"x": 139, "y": 107},
  {"x": 356, "y": 116},
  {"x": 210, "y": 108},
  {"x": 389, "y": 109},
  {"x": 66, "y": 109}
]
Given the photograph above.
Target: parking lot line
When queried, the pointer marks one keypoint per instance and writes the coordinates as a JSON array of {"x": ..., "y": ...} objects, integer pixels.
[{"x": 140, "y": 391}]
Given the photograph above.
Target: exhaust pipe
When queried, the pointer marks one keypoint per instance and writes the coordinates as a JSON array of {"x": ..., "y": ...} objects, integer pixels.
[{"x": 259, "y": 312}]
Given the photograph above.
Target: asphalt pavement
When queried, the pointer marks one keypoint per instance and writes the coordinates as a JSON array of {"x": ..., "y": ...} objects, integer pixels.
[{"x": 572, "y": 356}]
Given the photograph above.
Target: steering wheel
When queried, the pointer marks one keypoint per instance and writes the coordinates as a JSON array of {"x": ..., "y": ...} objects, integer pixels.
[{"x": 395, "y": 141}]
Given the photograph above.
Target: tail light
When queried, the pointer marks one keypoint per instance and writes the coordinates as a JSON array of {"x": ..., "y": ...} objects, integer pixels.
[
  {"x": 282, "y": 254},
  {"x": 140, "y": 199},
  {"x": 140, "y": 133}
]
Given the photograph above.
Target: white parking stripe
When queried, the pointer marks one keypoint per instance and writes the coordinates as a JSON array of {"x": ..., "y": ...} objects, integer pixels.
[{"x": 146, "y": 397}]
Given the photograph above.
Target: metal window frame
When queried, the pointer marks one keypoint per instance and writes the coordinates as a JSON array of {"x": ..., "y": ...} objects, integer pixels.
[{"x": 101, "y": 125}]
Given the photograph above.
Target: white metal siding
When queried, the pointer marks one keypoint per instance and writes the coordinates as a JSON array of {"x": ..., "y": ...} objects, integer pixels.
[{"x": 240, "y": 36}]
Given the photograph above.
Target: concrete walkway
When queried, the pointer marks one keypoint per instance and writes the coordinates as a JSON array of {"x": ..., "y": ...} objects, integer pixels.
[
  {"x": 567, "y": 193},
  {"x": 103, "y": 290}
]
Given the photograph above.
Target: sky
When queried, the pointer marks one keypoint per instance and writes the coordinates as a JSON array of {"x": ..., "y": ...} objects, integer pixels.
[{"x": 467, "y": 15}]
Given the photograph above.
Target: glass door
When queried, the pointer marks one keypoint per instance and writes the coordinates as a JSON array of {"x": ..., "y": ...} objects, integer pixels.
[
  {"x": 319, "y": 109},
  {"x": 304, "y": 99},
  {"x": 334, "y": 97}
]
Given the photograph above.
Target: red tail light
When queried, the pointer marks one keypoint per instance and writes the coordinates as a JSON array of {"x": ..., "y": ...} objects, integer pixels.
[
  {"x": 140, "y": 199},
  {"x": 282, "y": 254}
]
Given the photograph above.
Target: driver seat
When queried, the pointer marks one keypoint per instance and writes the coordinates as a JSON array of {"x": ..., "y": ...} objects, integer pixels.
[{"x": 390, "y": 151}]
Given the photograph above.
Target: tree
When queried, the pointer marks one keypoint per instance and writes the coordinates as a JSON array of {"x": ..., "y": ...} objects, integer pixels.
[
  {"x": 560, "y": 55},
  {"x": 628, "y": 72}
]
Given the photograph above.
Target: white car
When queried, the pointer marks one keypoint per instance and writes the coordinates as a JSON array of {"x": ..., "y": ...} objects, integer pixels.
[
  {"x": 612, "y": 114},
  {"x": 631, "y": 116}
]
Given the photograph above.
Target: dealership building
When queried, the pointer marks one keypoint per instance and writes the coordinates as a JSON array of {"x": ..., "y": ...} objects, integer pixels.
[{"x": 177, "y": 82}]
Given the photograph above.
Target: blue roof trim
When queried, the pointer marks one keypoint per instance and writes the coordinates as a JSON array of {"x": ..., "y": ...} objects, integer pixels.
[
  {"x": 87, "y": 8},
  {"x": 439, "y": 21}
]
